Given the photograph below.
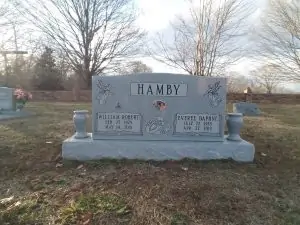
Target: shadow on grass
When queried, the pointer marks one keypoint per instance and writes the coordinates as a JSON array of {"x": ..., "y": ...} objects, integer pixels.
[
  {"x": 39, "y": 138},
  {"x": 287, "y": 114},
  {"x": 179, "y": 165},
  {"x": 54, "y": 125}
]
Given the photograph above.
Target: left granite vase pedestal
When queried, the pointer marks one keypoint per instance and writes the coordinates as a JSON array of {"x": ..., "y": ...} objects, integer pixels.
[{"x": 80, "y": 123}]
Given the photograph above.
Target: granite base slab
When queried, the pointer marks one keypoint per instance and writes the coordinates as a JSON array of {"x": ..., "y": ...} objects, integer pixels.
[
  {"x": 89, "y": 149},
  {"x": 6, "y": 115}
]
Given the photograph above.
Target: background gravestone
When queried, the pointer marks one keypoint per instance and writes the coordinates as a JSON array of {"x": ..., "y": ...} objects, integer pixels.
[
  {"x": 248, "y": 94},
  {"x": 7, "y": 102},
  {"x": 246, "y": 108},
  {"x": 8, "y": 105}
]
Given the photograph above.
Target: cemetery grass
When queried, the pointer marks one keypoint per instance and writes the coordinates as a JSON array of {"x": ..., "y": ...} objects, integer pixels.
[{"x": 37, "y": 187}]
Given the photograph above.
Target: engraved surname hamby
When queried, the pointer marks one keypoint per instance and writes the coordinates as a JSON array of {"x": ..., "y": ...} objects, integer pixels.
[{"x": 158, "y": 89}]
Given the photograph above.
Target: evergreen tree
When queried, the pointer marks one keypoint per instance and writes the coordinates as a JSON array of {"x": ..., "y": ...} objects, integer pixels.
[{"x": 46, "y": 74}]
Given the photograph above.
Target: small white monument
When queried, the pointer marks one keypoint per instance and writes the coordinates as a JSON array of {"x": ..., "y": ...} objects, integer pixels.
[
  {"x": 8, "y": 109},
  {"x": 7, "y": 99}
]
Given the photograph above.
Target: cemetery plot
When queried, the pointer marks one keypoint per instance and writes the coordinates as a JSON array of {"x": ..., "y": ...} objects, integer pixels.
[{"x": 37, "y": 187}]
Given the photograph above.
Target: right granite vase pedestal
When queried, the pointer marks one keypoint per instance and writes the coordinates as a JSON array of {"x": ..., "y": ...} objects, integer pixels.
[{"x": 234, "y": 124}]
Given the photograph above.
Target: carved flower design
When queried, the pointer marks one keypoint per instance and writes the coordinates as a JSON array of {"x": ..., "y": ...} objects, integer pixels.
[
  {"x": 213, "y": 94},
  {"x": 104, "y": 90}
]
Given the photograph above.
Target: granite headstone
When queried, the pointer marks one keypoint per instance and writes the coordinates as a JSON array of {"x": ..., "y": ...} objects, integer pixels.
[
  {"x": 156, "y": 117},
  {"x": 7, "y": 99},
  {"x": 166, "y": 107},
  {"x": 246, "y": 108},
  {"x": 8, "y": 105}
]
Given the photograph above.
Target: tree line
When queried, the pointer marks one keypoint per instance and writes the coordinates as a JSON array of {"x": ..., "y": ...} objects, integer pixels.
[
  {"x": 45, "y": 72},
  {"x": 70, "y": 41}
]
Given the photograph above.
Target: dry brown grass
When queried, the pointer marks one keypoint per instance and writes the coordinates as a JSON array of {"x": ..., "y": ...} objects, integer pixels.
[{"x": 48, "y": 191}]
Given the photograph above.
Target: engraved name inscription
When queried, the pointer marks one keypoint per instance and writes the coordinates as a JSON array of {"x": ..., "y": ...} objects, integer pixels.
[
  {"x": 197, "y": 124},
  {"x": 119, "y": 123},
  {"x": 157, "y": 89}
]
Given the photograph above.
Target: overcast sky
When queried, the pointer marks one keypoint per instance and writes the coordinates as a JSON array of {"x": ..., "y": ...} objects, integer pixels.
[{"x": 157, "y": 14}]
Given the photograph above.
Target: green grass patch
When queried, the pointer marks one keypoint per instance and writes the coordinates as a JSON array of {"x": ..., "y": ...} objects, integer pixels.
[
  {"x": 28, "y": 210},
  {"x": 89, "y": 207},
  {"x": 179, "y": 219}
]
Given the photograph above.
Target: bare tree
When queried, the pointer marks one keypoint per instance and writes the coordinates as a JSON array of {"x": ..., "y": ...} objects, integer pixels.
[
  {"x": 8, "y": 18},
  {"x": 236, "y": 82},
  {"x": 3, "y": 13},
  {"x": 268, "y": 77},
  {"x": 2, "y": 10},
  {"x": 4, "y": 23},
  {"x": 133, "y": 67},
  {"x": 279, "y": 37},
  {"x": 94, "y": 34},
  {"x": 208, "y": 41},
  {"x": 284, "y": 90},
  {"x": 139, "y": 67}
]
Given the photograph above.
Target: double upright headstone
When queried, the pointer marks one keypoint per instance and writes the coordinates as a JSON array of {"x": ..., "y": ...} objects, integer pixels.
[
  {"x": 156, "y": 117},
  {"x": 158, "y": 107}
]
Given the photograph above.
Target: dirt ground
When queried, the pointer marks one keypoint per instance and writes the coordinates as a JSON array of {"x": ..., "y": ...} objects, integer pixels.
[{"x": 37, "y": 187}]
